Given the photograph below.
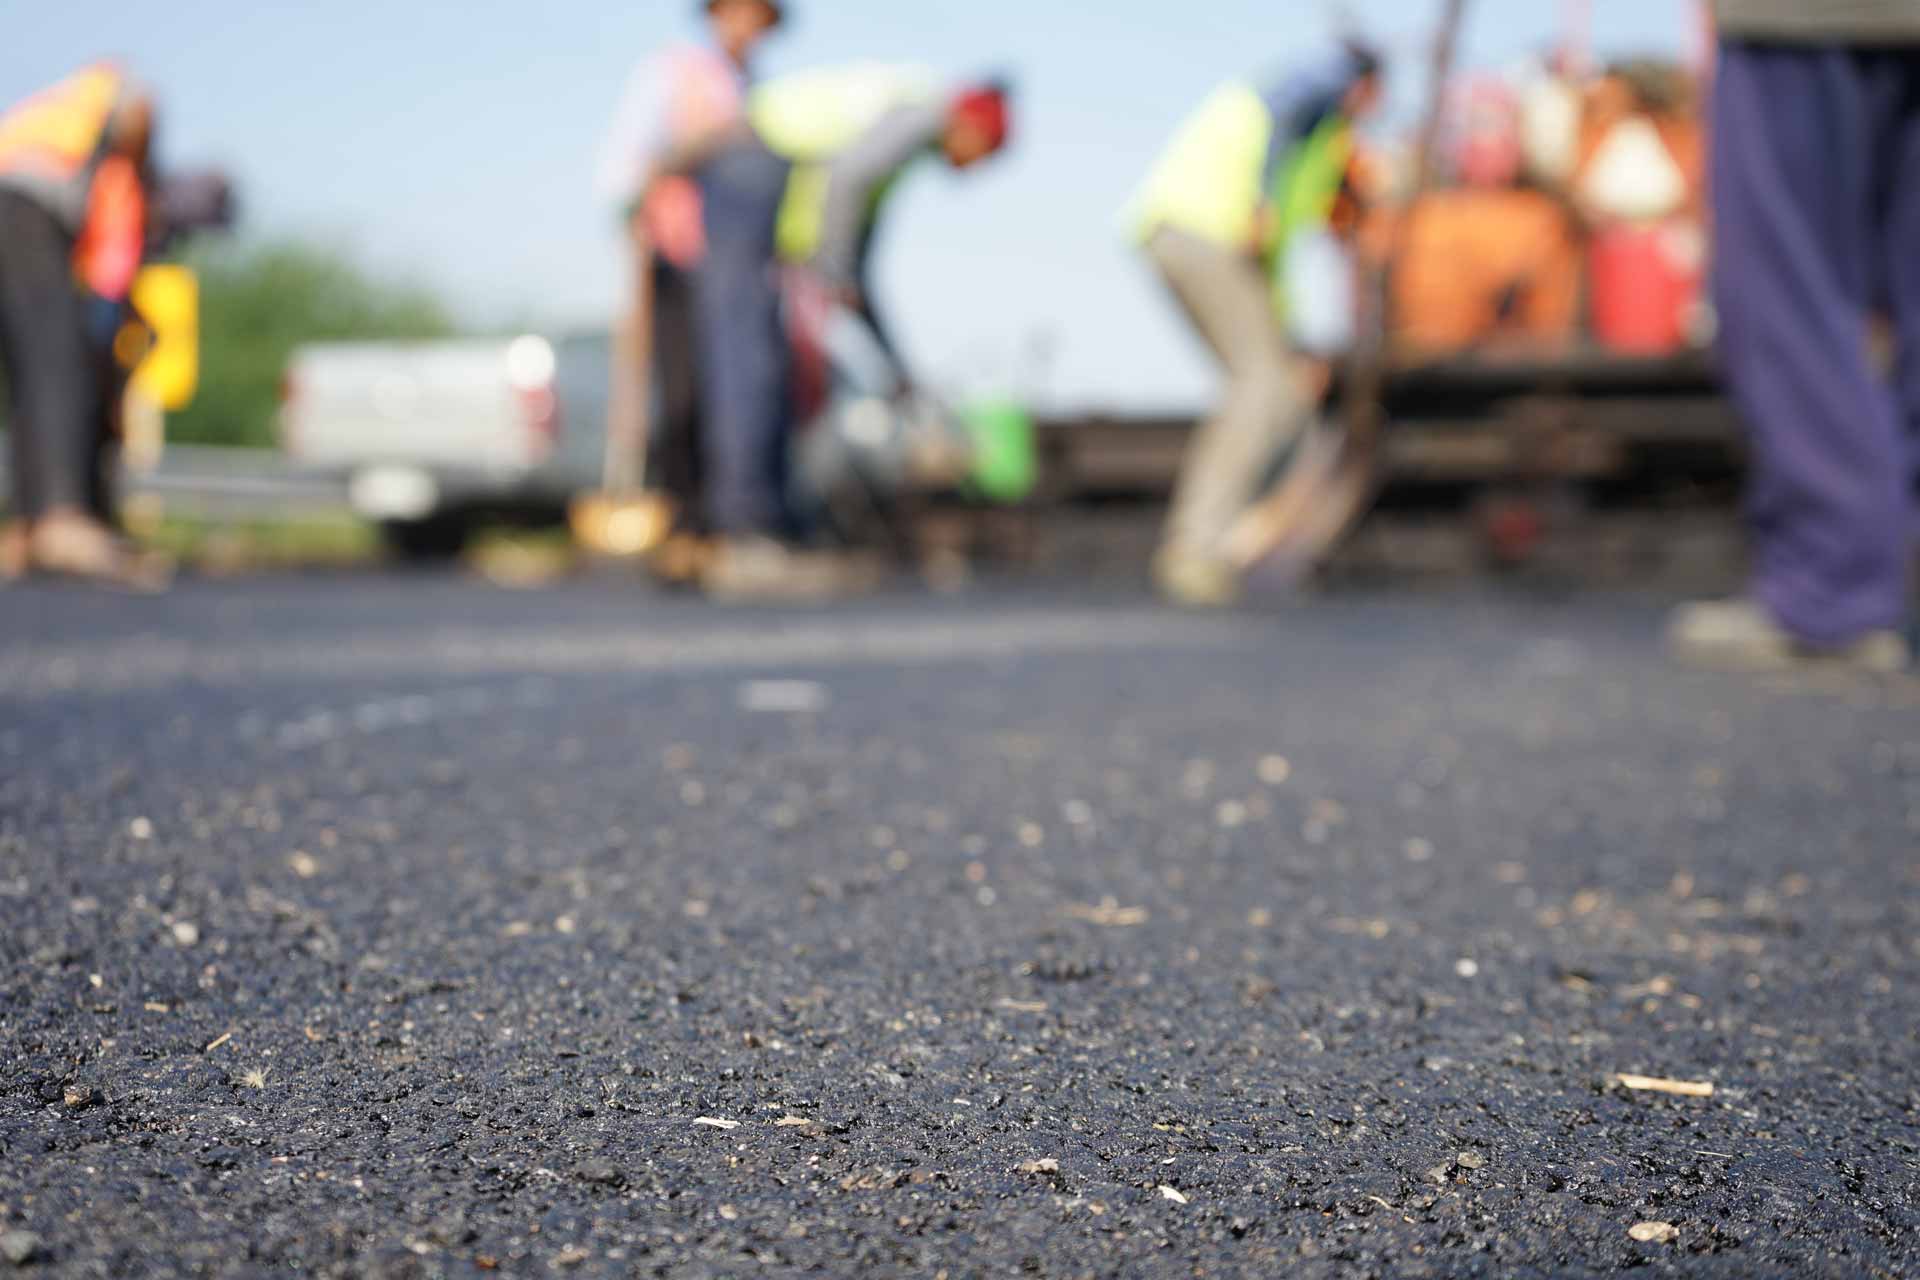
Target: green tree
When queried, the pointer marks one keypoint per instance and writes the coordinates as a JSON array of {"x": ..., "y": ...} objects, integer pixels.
[{"x": 257, "y": 304}]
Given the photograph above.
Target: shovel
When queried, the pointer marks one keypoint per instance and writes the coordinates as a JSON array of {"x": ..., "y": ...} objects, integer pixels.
[{"x": 623, "y": 520}]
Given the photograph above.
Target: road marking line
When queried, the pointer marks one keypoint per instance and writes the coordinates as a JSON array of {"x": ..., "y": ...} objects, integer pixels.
[{"x": 124, "y": 666}]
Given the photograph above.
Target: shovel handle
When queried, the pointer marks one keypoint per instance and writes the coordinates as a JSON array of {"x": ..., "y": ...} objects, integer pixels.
[
  {"x": 630, "y": 398},
  {"x": 1367, "y": 376}
]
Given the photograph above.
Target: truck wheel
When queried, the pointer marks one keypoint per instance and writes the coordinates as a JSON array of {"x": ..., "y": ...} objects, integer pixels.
[{"x": 433, "y": 540}]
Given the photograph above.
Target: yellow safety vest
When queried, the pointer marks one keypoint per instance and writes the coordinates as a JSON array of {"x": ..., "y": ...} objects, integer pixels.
[
  {"x": 55, "y": 136},
  {"x": 812, "y": 117},
  {"x": 1305, "y": 192},
  {"x": 1209, "y": 183}
]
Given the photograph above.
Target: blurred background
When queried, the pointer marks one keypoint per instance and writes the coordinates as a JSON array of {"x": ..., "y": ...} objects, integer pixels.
[
  {"x": 427, "y": 173},
  {"x": 445, "y": 153}
]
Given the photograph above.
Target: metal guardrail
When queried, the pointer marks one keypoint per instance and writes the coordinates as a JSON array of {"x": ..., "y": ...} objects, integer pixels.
[
  {"x": 229, "y": 483},
  {"x": 1446, "y": 425}
]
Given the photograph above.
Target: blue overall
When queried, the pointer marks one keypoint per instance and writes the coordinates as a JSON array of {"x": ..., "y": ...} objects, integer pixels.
[
  {"x": 746, "y": 362},
  {"x": 1816, "y": 172}
]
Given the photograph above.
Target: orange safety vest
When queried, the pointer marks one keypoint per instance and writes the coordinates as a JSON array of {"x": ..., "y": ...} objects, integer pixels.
[
  {"x": 113, "y": 240},
  {"x": 52, "y": 146}
]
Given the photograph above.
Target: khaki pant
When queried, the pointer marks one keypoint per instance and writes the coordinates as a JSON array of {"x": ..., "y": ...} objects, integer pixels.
[{"x": 1267, "y": 402}]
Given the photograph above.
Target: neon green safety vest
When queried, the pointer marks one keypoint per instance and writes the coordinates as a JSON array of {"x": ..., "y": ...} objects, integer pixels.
[
  {"x": 1305, "y": 192},
  {"x": 1209, "y": 183},
  {"x": 812, "y": 117}
]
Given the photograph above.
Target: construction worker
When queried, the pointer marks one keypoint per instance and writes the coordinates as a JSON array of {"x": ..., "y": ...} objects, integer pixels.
[
  {"x": 852, "y": 133},
  {"x": 841, "y": 140},
  {"x": 1816, "y": 199},
  {"x": 677, "y": 103},
  {"x": 1248, "y": 174},
  {"x": 75, "y": 178}
]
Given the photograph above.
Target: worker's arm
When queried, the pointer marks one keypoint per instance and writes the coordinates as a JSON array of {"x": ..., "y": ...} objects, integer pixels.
[
  {"x": 687, "y": 155},
  {"x": 856, "y": 179},
  {"x": 641, "y": 136},
  {"x": 868, "y": 309},
  {"x": 876, "y": 324}
]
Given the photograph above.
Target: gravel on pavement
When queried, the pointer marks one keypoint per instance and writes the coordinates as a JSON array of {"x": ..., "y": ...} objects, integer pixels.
[{"x": 405, "y": 927}]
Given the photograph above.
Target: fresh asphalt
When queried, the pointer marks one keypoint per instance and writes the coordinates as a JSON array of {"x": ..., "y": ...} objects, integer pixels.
[{"x": 406, "y": 927}]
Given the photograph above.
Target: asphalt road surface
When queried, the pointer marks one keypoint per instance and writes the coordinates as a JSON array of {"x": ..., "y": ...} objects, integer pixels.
[{"x": 403, "y": 927}]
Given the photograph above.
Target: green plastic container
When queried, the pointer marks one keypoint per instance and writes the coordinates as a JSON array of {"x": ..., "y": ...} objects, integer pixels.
[{"x": 1006, "y": 456}]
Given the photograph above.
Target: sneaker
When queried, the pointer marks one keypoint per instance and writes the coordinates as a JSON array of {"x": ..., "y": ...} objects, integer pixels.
[
  {"x": 70, "y": 545},
  {"x": 759, "y": 570},
  {"x": 1738, "y": 635},
  {"x": 680, "y": 561},
  {"x": 1196, "y": 581}
]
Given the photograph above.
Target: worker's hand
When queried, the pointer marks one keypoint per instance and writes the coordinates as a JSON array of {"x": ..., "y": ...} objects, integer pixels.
[
  {"x": 1316, "y": 378},
  {"x": 1266, "y": 229},
  {"x": 848, "y": 296}
]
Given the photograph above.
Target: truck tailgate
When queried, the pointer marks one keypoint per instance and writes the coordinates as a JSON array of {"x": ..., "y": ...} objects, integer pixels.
[{"x": 469, "y": 405}]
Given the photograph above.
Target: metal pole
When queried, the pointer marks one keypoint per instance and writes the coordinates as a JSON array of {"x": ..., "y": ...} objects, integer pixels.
[
  {"x": 1576, "y": 39},
  {"x": 1366, "y": 384}
]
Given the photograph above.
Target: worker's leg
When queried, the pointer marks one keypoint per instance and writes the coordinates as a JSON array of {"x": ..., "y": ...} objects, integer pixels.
[
  {"x": 1900, "y": 254},
  {"x": 1795, "y": 179},
  {"x": 678, "y": 454},
  {"x": 108, "y": 429},
  {"x": 17, "y": 320},
  {"x": 743, "y": 350},
  {"x": 56, "y": 397},
  {"x": 1265, "y": 404}
]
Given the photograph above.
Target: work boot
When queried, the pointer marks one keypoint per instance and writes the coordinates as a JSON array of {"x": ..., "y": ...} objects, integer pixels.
[
  {"x": 681, "y": 560},
  {"x": 70, "y": 545},
  {"x": 1194, "y": 580},
  {"x": 757, "y": 570},
  {"x": 1740, "y": 635}
]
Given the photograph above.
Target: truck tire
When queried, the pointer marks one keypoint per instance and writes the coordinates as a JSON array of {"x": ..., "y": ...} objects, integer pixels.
[{"x": 434, "y": 540}]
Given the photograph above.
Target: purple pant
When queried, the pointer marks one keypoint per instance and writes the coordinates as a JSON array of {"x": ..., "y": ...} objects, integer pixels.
[{"x": 1816, "y": 173}]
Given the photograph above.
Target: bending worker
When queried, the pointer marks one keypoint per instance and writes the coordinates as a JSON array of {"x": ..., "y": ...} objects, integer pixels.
[
  {"x": 74, "y": 192},
  {"x": 851, "y": 134},
  {"x": 828, "y": 147},
  {"x": 1247, "y": 174}
]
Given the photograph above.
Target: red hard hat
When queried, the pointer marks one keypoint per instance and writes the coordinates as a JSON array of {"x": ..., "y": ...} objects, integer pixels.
[{"x": 988, "y": 108}]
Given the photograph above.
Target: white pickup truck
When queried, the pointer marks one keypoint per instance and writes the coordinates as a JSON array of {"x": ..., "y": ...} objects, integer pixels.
[{"x": 436, "y": 438}]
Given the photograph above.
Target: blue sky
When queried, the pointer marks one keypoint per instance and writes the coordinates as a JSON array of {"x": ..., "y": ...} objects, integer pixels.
[{"x": 454, "y": 143}]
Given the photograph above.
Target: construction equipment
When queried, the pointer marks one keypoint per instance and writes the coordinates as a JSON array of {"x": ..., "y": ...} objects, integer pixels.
[{"x": 1551, "y": 331}]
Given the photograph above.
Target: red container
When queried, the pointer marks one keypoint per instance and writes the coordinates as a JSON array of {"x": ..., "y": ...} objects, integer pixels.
[{"x": 1646, "y": 284}]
